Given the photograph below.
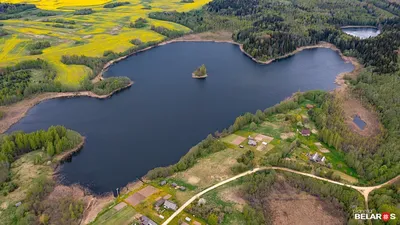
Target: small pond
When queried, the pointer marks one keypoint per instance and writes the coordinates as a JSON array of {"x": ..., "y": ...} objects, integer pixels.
[
  {"x": 362, "y": 32},
  {"x": 359, "y": 122}
]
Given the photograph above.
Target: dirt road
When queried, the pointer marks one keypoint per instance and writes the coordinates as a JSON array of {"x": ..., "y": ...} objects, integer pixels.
[{"x": 363, "y": 190}]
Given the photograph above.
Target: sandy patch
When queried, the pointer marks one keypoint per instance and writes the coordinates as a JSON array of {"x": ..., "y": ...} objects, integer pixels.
[
  {"x": 324, "y": 150},
  {"x": 193, "y": 180},
  {"x": 120, "y": 206},
  {"x": 285, "y": 136},
  {"x": 238, "y": 140},
  {"x": 261, "y": 137}
]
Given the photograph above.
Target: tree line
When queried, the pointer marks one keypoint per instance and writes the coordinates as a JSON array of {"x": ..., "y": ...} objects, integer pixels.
[{"x": 55, "y": 140}]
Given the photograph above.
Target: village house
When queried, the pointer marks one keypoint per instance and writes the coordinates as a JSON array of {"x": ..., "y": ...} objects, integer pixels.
[
  {"x": 170, "y": 205},
  {"x": 144, "y": 220},
  {"x": 159, "y": 203},
  {"x": 305, "y": 132},
  {"x": 174, "y": 185},
  {"x": 317, "y": 158},
  {"x": 252, "y": 141},
  {"x": 162, "y": 183}
]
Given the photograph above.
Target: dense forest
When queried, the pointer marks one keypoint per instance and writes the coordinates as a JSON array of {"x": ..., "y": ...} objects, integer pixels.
[
  {"x": 54, "y": 141},
  {"x": 386, "y": 199},
  {"x": 116, "y": 4}
]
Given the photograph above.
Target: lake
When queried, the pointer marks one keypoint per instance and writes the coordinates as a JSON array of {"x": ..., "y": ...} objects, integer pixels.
[
  {"x": 362, "y": 32},
  {"x": 166, "y": 111}
]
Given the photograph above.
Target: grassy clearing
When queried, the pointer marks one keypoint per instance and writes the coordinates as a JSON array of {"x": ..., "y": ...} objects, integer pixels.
[
  {"x": 211, "y": 169},
  {"x": 111, "y": 217},
  {"x": 23, "y": 171},
  {"x": 105, "y": 29}
]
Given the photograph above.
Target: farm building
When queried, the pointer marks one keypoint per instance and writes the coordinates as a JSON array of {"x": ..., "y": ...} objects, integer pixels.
[
  {"x": 252, "y": 141},
  {"x": 305, "y": 132},
  {"x": 159, "y": 202},
  {"x": 170, "y": 205},
  {"x": 317, "y": 158},
  {"x": 144, "y": 220}
]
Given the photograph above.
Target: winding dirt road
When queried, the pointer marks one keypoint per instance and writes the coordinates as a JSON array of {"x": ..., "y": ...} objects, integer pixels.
[{"x": 363, "y": 190}]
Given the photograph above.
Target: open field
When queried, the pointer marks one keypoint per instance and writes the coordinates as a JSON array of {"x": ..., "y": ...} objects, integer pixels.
[{"x": 107, "y": 29}]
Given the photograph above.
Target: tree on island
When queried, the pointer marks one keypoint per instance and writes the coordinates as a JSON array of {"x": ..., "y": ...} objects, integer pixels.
[{"x": 200, "y": 72}]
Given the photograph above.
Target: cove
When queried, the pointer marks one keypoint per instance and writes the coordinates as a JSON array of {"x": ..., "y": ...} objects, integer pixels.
[
  {"x": 362, "y": 32},
  {"x": 166, "y": 111}
]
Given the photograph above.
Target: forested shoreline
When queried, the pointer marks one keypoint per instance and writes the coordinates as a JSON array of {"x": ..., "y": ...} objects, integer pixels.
[{"x": 38, "y": 151}]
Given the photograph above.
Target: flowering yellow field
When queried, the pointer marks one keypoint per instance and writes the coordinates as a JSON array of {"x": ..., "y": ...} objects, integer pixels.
[{"x": 105, "y": 29}]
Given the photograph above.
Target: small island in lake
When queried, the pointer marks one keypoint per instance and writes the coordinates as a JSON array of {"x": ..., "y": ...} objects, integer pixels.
[{"x": 200, "y": 72}]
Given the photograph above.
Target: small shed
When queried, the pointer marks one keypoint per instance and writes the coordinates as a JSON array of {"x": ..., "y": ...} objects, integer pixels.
[
  {"x": 144, "y": 220},
  {"x": 309, "y": 106},
  {"x": 182, "y": 188},
  {"x": 174, "y": 185},
  {"x": 162, "y": 183},
  {"x": 159, "y": 202},
  {"x": 305, "y": 132}
]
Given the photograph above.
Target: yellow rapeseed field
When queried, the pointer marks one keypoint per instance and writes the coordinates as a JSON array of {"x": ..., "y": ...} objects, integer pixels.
[{"x": 105, "y": 29}]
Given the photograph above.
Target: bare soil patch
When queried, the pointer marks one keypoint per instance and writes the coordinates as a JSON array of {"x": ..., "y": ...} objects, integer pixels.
[
  {"x": 291, "y": 206},
  {"x": 261, "y": 137},
  {"x": 193, "y": 180},
  {"x": 324, "y": 150},
  {"x": 353, "y": 107},
  {"x": 135, "y": 199},
  {"x": 238, "y": 140},
  {"x": 120, "y": 206},
  {"x": 147, "y": 191}
]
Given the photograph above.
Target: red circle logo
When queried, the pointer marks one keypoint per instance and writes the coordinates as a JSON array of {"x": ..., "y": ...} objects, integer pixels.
[{"x": 385, "y": 216}]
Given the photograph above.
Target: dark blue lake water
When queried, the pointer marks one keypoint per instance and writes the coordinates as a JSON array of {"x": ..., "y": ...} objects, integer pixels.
[{"x": 166, "y": 111}]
